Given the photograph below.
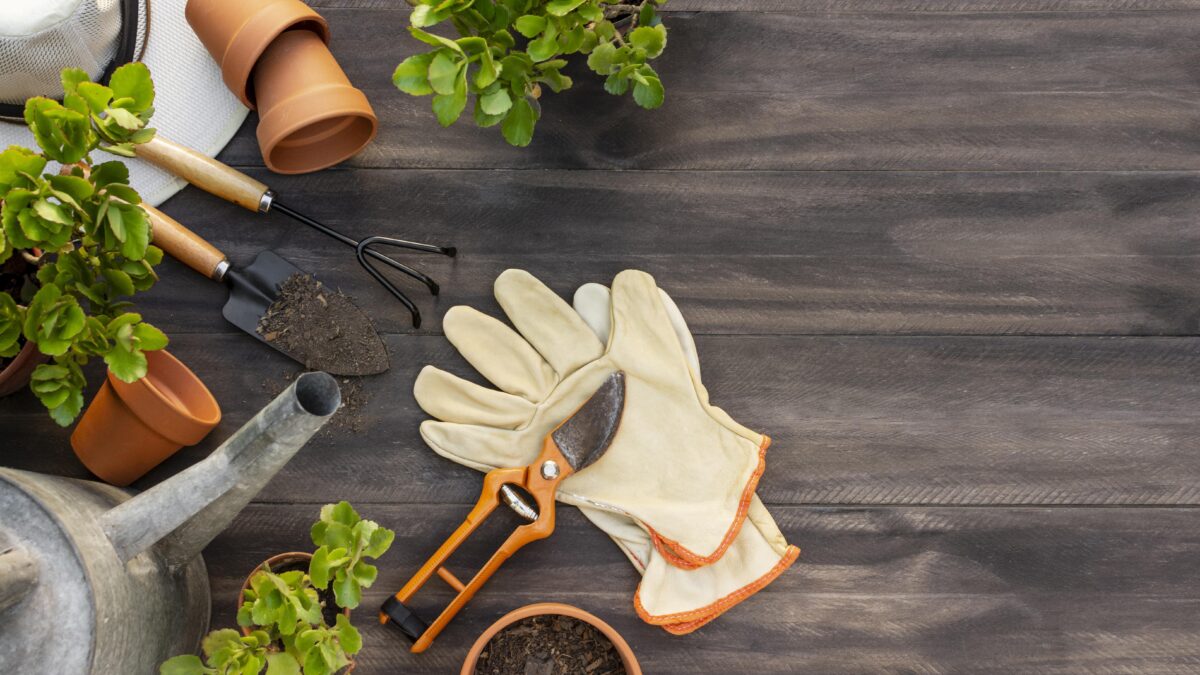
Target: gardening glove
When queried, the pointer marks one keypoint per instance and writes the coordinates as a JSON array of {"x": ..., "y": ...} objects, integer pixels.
[
  {"x": 511, "y": 427},
  {"x": 685, "y": 599}
]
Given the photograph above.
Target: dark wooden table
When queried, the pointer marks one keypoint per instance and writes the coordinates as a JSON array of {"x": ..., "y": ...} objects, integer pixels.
[{"x": 943, "y": 252}]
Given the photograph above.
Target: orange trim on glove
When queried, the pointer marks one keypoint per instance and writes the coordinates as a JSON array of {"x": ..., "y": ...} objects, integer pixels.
[
  {"x": 682, "y": 623},
  {"x": 681, "y": 557}
]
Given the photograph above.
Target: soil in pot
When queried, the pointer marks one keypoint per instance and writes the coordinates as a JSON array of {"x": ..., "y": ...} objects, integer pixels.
[
  {"x": 322, "y": 328},
  {"x": 550, "y": 644}
]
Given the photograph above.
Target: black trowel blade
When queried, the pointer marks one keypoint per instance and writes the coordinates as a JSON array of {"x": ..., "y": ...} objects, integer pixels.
[{"x": 253, "y": 288}]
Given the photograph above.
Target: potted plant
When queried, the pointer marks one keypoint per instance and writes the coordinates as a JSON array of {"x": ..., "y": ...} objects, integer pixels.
[
  {"x": 550, "y": 637},
  {"x": 73, "y": 244},
  {"x": 289, "y": 623},
  {"x": 508, "y": 49}
]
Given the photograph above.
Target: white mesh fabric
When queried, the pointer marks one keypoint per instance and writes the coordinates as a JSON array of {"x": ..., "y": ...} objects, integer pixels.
[{"x": 33, "y": 53}]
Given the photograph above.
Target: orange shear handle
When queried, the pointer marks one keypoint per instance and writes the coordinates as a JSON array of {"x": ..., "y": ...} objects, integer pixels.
[{"x": 542, "y": 485}]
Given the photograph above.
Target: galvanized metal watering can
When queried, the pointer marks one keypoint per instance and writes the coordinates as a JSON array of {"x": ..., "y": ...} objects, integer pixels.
[{"x": 94, "y": 580}]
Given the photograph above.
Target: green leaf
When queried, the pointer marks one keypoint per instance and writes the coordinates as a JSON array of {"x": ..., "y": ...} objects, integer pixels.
[
  {"x": 616, "y": 84},
  {"x": 495, "y": 103},
  {"x": 652, "y": 39},
  {"x": 126, "y": 119},
  {"x": 318, "y": 568},
  {"x": 97, "y": 96},
  {"x": 346, "y": 590},
  {"x": 518, "y": 124},
  {"x": 542, "y": 48},
  {"x": 488, "y": 71},
  {"x": 650, "y": 94},
  {"x": 348, "y": 635},
  {"x": 344, "y": 513},
  {"x": 120, "y": 281},
  {"x": 71, "y": 77},
  {"x": 483, "y": 119},
  {"x": 443, "y": 71},
  {"x": 435, "y": 40},
  {"x": 530, "y": 25},
  {"x": 422, "y": 16},
  {"x": 448, "y": 107},
  {"x": 601, "y": 58},
  {"x": 562, "y": 7},
  {"x": 280, "y": 663},
  {"x": 186, "y": 664},
  {"x": 149, "y": 338},
  {"x": 412, "y": 75},
  {"x": 132, "y": 80},
  {"x": 219, "y": 639},
  {"x": 127, "y": 363},
  {"x": 110, "y": 172},
  {"x": 364, "y": 573}
]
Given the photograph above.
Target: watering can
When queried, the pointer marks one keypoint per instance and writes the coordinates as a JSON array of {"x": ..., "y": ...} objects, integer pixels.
[{"x": 96, "y": 580}]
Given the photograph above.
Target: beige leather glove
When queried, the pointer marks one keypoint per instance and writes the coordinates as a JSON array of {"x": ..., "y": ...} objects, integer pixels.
[
  {"x": 680, "y": 599},
  {"x": 488, "y": 429}
]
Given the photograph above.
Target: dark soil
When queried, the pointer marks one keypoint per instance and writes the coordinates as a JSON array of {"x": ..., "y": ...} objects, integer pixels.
[
  {"x": 323, "y": 329},
  {"x": 549, "y": 645}
]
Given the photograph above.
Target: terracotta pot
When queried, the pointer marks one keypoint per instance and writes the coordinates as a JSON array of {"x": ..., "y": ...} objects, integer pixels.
[
  {"x": 129, "y": 428},
  {"x": 310, "y": 116},
  {"x": 627, "y": 658},
  {"x": 237, "y": 32},
  {"x": 275, "y": 563},
  {"x": 274, "y": 56},
  {"x": 16, "y": 374}
]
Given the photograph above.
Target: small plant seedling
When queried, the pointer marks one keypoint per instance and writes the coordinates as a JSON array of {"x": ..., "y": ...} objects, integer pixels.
[
  {"x": 509, "y": 49},
  {"x": 283, "y": 612},
  {"x": 84, "y": 231}
]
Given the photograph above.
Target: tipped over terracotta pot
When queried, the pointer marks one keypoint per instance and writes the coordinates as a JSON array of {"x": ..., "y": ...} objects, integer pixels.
[
  {"x": 274, "y": 56},
  {"x": 131, "y": 427},
  {"x": 544, "y": 608}
]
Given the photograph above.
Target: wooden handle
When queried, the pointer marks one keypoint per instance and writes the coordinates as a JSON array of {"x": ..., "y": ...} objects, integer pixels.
[
  {"x": 204, "y": 172},
  {"x": 184, "y": 245}
]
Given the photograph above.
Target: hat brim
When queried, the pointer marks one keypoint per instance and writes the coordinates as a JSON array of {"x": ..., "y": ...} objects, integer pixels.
[{"x": 192, "y": 106}]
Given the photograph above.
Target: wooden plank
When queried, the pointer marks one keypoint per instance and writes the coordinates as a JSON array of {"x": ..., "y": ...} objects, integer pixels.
[
  {"x": 876, "y": 590},
  {"x": 748, "y": 253},
  {"x": 860, "y": 6},
  {"x": 902, "y": 91},
  {"x": 876, "y": 420}
]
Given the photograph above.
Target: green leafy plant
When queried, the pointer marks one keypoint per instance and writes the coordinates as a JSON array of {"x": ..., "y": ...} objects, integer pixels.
[
  {"x": 84, "y": 232},
  {"x": 282, "y": 613},
  {"x": 509, "y": 49}
]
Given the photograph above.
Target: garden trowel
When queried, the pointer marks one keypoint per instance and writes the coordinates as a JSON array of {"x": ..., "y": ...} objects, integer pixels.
[
  {"x": 573, "y": 446},
  {"x": 254, "y": 289}
]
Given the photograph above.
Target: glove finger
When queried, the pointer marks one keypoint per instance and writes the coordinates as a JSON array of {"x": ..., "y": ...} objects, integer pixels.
[
  {"x": 453, "y": 399},
  {"x": 593, "y": 303},
  {"x": 547, "y": 322},
  {"x": 499, "y": 353},
  {"x": 479, "y": 447},
  {"x": 641, "y": 322}
]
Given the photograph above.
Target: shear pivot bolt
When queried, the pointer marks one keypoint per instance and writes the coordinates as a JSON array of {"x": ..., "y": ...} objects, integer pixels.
[{"x": 549, "y": 469}]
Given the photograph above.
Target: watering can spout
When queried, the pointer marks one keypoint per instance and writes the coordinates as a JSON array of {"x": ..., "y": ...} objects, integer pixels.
[{"x": 180, "y": 516}]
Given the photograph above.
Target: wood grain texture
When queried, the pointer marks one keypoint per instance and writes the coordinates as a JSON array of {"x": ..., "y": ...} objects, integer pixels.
[
  {"x": 886, "y": 420},
  {"x": 877, "y": 590},
  {"x": 749, "y": 253},
  {"x": 674, "y": 7},
  {"x": 750, "y": 91}
]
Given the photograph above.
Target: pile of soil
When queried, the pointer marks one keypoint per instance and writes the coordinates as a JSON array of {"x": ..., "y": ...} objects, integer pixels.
[
  {"x": 322, "y": 329},
  {"x": 549, "y": 645}
]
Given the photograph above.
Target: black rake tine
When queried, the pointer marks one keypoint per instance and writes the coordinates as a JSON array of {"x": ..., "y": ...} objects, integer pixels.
[
  {"x": 365, "y": 245},
  {"x": 360, "y": 252}
]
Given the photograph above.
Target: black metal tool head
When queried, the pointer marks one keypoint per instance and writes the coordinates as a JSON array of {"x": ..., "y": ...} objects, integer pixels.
[
  {"x": 586, "y": 435},
  {"x": 254, "y": 288}
]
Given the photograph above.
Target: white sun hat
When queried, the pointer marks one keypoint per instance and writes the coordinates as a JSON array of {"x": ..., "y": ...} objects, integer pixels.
[{"x": 192, "y": 106}]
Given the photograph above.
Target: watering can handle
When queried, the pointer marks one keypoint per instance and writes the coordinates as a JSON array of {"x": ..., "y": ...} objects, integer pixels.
[
  {"x": 184, "y": 245},
  {"x": 206, "y": 173}
]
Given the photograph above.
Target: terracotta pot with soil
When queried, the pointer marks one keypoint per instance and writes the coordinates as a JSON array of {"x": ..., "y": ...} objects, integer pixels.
[
  {"x": 550, "y": 639},
  {"x": 295, "y": 561},
  {"x": 131, "y": 427},
  {"x": 274, "y": 56},
  {"x": 16, "y": 278}
]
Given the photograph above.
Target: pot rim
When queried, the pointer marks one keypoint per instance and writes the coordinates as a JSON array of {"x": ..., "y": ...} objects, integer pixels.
[
  {"x": 149, "y": 403},
  {"x": 23, "y": 359},
  {"x": 541, "y": 608}
]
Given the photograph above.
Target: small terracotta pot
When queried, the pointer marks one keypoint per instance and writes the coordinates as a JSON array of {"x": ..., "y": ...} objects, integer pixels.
[
  {"x": 627, "y": 658},
  {"x": 274, "y": 563},
  {"x": 16, "y": 374},
  {"x": 274, "y": 56},
  {"x": 310, "y": 116},
  {"x": 130, "y": 427}
]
